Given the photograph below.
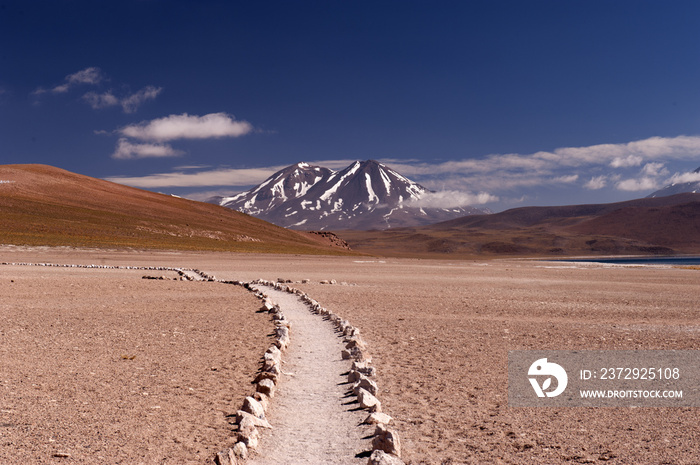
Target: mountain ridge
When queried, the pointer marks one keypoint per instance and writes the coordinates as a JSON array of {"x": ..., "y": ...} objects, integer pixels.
[{"x": 365, "y": 195}]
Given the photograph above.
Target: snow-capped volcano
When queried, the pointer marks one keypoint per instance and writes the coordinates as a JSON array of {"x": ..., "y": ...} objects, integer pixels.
[
  {"x": 673, "y": 189},
  {"x": 365, "y": 195}
]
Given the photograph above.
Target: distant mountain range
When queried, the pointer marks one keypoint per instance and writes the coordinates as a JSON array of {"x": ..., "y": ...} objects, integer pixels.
[
  {"x": 43, "y": 205},
  {"x": 365, "y": 195},
  {"x": 652, "y": 226},
  {"x": 673, "y": 189}
]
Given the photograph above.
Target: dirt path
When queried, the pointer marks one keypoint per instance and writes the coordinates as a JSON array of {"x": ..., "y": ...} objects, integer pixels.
[{"x": 313, "y": 419}]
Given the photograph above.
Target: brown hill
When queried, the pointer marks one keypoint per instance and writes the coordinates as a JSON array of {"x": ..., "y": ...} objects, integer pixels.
[
  {"x": 43, "y": 205},
  {"x": 664, "y": 225}
]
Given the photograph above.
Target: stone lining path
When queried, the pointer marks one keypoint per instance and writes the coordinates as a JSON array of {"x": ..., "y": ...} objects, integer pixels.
[{"x": 314, "y": 420}]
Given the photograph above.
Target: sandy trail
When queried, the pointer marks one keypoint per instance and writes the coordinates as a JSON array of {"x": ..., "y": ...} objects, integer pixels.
[{"x": 313, "y": 419}]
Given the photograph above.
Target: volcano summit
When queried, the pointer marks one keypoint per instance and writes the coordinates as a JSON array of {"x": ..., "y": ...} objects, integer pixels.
[{"x": 365, "y": 195}]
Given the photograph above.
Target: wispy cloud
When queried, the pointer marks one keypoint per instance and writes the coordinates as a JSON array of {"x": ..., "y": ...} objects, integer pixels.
[
  {"x": 628, "y": 161},
  {"x": 596, "y": 182},
  {"x": 640, "y": 184},
  {"x": 184, "y": 126},
  {"x": 453, "y": 199},
  {"x": 127, "y": 150},
  {"x": 229, "y": 177},
  {"x": 91, "y": 75},
  {"x": 502, "y": 178},
  {"x": 513, "y": 171},
  {"x": 654, "y": 170},
  {"x": 191, "y": 167},
  {"x": 566, "y": 179},
  {"x": 132, "y": 102},
  {"x": 129, "y": 103},
  {"x": 615, "y": 155},
  {"x": 104, "y": 100}
]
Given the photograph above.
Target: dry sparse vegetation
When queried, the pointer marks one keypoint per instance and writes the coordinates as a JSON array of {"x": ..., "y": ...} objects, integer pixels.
[{"x": 48, "y": 206}]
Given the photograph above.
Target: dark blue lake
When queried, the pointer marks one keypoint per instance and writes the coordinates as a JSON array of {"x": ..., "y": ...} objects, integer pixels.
[{"x": 642, "y": 260}]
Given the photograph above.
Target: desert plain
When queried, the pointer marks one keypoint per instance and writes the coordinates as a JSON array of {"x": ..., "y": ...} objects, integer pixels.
[{"x": 102, "y": 366}]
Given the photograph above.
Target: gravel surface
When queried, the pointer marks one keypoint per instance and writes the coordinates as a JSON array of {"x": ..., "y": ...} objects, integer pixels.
[
  {"x": 314, "y": 419},
  {"x": 438, "y": 332},
  {"x": 102, "y": 366}
]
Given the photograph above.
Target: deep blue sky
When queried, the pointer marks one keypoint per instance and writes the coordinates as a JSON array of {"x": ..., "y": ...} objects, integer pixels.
[{"x": 471, "y": 97}]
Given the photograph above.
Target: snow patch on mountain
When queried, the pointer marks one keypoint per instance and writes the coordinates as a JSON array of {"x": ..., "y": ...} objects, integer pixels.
[
  {"x": 365, "y": 195},
  {"x": 680, "y": 183}
]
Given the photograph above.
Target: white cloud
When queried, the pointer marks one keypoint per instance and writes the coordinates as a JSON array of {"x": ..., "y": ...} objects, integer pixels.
[
  {"x": 184, "y": 126},
  {"x": 498, "y": 178},
  {"x": 488, "y": 182},
  {"x": 452, "y": 199},
  {"x": 92, "y": 75},
  {"x": 191, "y": 167},
  {"x": 596, "y": 182},
  {"x": 623, "y": 155},
  {"x": 500, "y": 172},
  {"x": 654, "y": 169},
  {"x": 648, "y": 180},
  {"x": 625, "y": 162},
  {"x": 97, "y": 101},
  {"x": 681, "y": 178},
  {"x": 126, "y": 150},
  {"x": 219, "y": 177},
  {"x": 640, "y": 184},
  {"x": 567, "y": 179},
  {"x": 131, "y": 102},
  {"x": 203, "y": 196}
]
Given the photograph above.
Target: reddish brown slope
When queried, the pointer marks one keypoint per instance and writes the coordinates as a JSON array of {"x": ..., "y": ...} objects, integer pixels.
[
  {"x": 43, "y": 205},
  {"x": 674, "y": 226},
  {"x": 663, "y": 225}
]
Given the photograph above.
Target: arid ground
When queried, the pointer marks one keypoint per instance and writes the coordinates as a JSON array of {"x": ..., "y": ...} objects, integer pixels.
[{"x": 438, "y": 332}]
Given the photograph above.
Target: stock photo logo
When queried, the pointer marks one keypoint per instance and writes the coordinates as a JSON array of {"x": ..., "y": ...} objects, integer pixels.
[{"x": 543, "y": 370}]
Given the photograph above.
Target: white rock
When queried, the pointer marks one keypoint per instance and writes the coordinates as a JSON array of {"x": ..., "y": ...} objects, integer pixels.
[
  {"x": 251, "y": 439},
  {"x": 376, "y": 418},
  {"x": 366, "y": 384},
  {"x": 253, "y": 407},
  {"x": 355, "y": 341},
  {"x": 242, "y": 417},
  {"x": 367, "y": 400},
  {"x": 379, "y": 457},
  {"x": 263, "y": 399},
  {"x": 267, "y": 387},
  {"x": 240, "y": 450},
  {"x": 386, "y": 440}
]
